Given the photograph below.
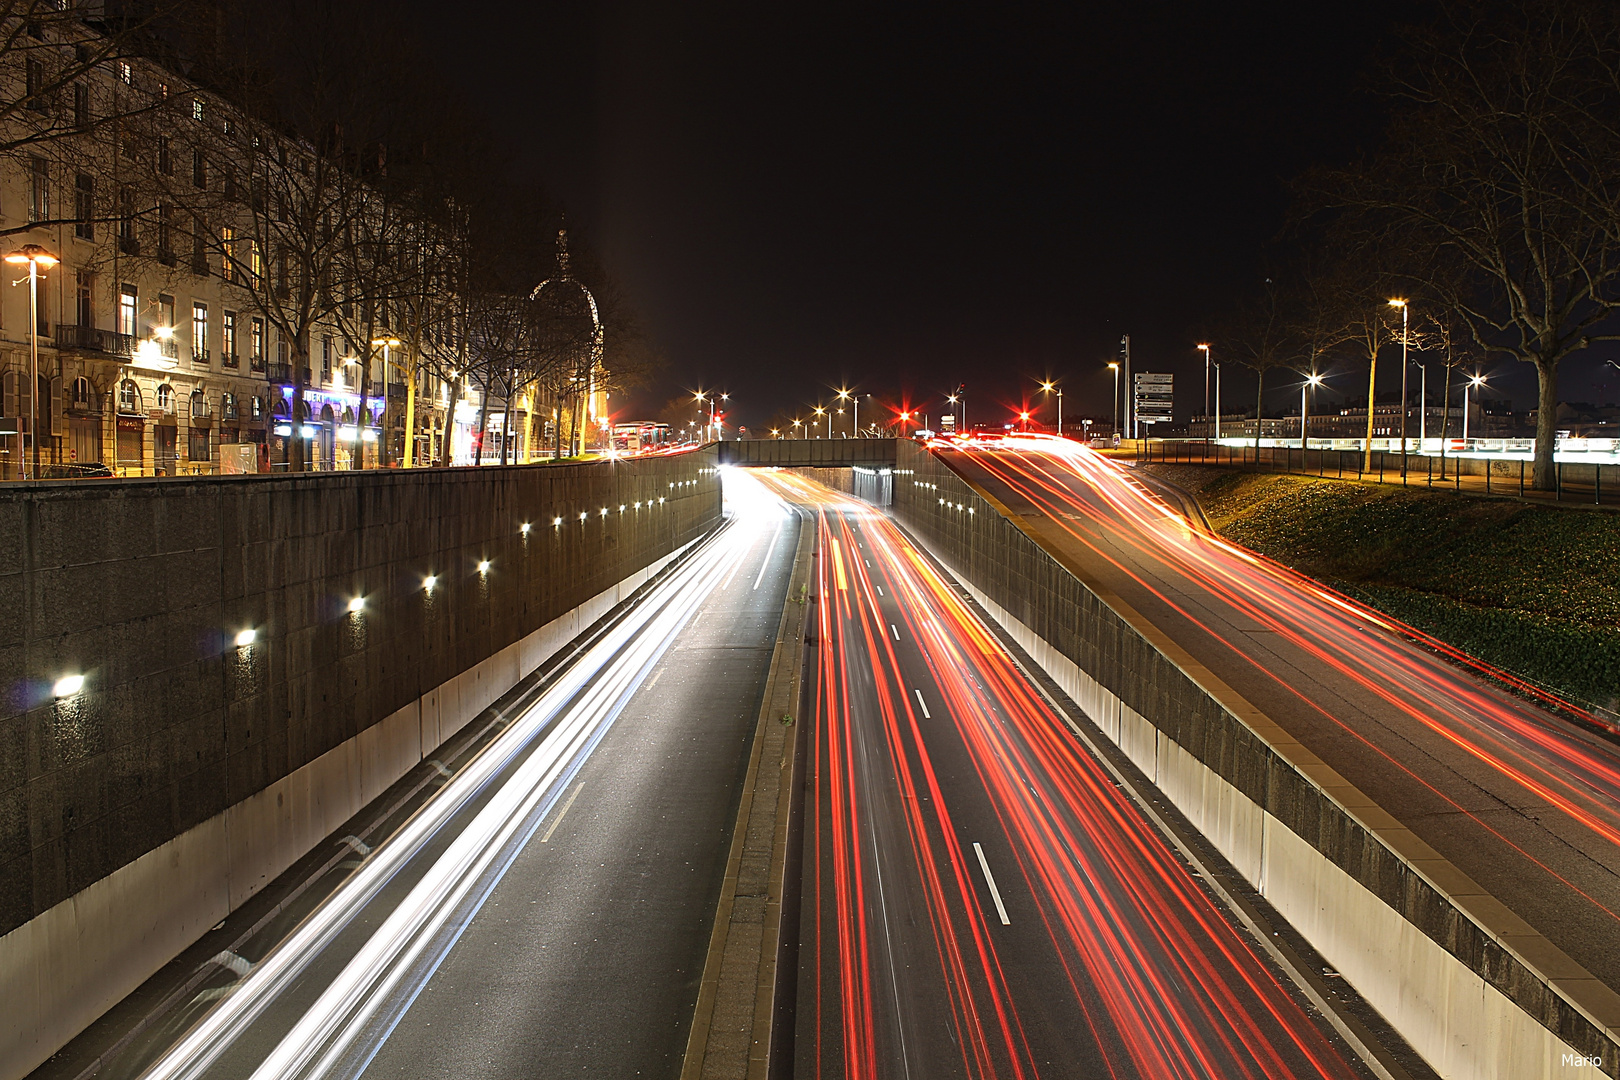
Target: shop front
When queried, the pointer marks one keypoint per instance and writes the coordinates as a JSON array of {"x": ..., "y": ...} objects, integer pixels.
[{"x": 131, "y": 431}]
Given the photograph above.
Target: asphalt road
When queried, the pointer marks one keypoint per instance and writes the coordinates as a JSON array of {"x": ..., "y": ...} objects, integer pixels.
[
  {"x": 1525, "y": 803},
  {"x": 547, "y": 912},
  {"x": 980, "y": 898}
]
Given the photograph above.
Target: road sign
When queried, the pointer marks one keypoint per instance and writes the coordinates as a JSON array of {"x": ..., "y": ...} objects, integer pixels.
[{"x": 1153, "y": 397}]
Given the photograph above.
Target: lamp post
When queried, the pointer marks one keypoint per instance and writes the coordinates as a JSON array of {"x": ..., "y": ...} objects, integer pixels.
[
  {"x": 410, "y": 400},
  {"x": 1475, "y": 382},
  {"x": 1406, "y": 311},
  {"x": 1205, "y": 350},
  {"x": 855, "y": 407},
  {"x": 1312, "y": 381},
  {"x": 1049, "y": 389},
  {"x": 1114, "y": 367},
  {"x": 36, "y": 257},
  {"x": 823, "y": 412},
  {"x": 1023, "y": 418},
  {"x": 797, "y": 423}
]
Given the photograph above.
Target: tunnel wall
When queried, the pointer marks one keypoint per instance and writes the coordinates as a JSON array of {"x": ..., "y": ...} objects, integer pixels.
[
  {"x": 1469, "y": 986},
  {"x": 189, "y": 772}
]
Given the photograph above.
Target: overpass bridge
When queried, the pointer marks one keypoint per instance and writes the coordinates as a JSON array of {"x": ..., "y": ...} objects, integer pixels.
[{"x": 811, "y": 453}]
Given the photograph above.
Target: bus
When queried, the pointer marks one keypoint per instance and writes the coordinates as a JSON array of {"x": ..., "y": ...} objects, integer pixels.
[{"x": 640, "y": 436}]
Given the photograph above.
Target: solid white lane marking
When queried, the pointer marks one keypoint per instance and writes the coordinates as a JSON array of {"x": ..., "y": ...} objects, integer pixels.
[
  {"x": 921, "y": 702},
  {"x": 995, "y": 893},
  {"x": 766, "y": 565},
  {"x": 895, "y": 632},
  {"x": 546, "y": 838}
]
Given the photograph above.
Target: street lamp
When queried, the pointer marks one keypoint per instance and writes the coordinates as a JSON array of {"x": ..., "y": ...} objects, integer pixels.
[
  {"x": 1406, "y": 314},
  {"x": 1475, "y": 382},
  {"x": 797, "y": 423},
  {"x": 1312, "y": 381},
  {"x": 410, "y": 399},
  {"x": 1023, "y": 418},
  {"x": 855, "y": 415},
  {"x": 1048, "y": 388},
  {"x": 1114, "y": 367},
  {"x": 823, "y": 412},
  {"x": 1205, "y": 350},
  {"x": 36, "y": 257}
]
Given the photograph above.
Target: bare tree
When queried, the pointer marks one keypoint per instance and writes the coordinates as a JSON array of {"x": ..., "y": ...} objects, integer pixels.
[
  {"x": 1262, "y": 338},
  {"x": 1498, "y": 176}
]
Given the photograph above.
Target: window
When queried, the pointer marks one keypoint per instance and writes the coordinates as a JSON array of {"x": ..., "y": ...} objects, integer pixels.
[
  {"x": 81, "y": 106},
  {"x": 227, "y": 338},
  {"x": 127, "y": 308},
  {"x": 256, "y": 343},
  {"x": 82, "y": 393},
  {"x": 163, "y": 91},
  {"x": 199, "y": 334},
  {"x": 126, "y": 221},
  {"x": 165, "y": 399},
  {"x": 199, "y": 248},
  {"x": 227, "y": 405},
  {"x": 197, "y": 109},
  {"x": 199, "y": 404},
  {"x": 256, "y": 407},
  {"x": 227, "y": 258},
  {"x": 165, "y": 237},
  {"x": 255, "y": 264},
  {"x": 197, "y": 444},
  {"x": 230, "y": 183},
  {"x": 85, "y": 290},
  {"x": 326, "y": 358},
  {"x": 129, "y": 397},
  {"x": 226, "y": 125},
  {"x": 84, "y": 206},
  {"x": 39, "y": 189},
  {"x": 199, "y": 169},
  {"x": 165, "y": 156},
  {"x": 126, "y": 74},
  {"x": 166, "y": 310},
  {"x": 282, "y": 356},
  {"x": 36, "y": 86}
]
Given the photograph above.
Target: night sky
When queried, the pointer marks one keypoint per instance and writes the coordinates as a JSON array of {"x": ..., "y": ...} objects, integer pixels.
[{"x": 905, "y": 197}]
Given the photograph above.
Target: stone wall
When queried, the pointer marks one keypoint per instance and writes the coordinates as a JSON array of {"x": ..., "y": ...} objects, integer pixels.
[{"x": 142, "y": 587}]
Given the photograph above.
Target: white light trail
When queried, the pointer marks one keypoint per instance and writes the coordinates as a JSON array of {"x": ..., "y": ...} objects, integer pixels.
[{"x": 568, "y": 720}]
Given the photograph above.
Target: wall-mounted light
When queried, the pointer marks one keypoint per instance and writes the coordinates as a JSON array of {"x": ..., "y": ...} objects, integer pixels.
[
  {"x": 556, "y": 521},
  {"x": 68, "y": 685},
  {"x": 524, "y": 528},
  {"x": 357, "y": 604},
  {"x": 483, "y": 566},
  {"x": 244, "y": 638},
  {"x": 430, "y": 581}
]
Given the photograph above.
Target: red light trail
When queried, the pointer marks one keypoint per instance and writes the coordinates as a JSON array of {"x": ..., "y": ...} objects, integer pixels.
[
  {"x": 932, "y": 750},
  {"x": 1130, "y": 533}
]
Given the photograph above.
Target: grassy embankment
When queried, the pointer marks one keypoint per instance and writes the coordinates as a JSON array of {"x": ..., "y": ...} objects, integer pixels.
[{"x": 1532, "y": 589}]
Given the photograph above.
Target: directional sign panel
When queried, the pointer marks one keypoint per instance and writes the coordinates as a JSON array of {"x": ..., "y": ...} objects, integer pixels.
[{"x": 1153, "y": 397}]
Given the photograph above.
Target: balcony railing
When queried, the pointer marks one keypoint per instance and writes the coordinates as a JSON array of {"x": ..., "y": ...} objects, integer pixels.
[
  {"x": 256, "y": 363},
  {"x": 92, "y": 339},
  {"x": 230, "y": 360},
  {"x": 169, "y": 348},
  {"x": 282, "y": 374}
]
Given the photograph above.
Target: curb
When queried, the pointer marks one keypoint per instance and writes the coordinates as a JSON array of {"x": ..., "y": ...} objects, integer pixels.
[{"x": 731, "y": 1026}]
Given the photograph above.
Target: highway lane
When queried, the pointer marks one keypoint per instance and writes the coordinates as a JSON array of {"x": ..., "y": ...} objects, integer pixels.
[
  {"x": 1525, "y": 803},
  {"x": 549, "y": 909},
  {"x": 980, "y": 898}
]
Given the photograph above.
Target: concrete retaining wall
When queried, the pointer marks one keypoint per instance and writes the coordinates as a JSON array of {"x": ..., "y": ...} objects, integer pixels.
[
  {"x": 1445, "y": 964},
  {"x": 190, "y": 772}
]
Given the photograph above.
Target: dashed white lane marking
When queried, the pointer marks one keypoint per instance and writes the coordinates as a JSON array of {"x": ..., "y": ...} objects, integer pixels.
[
  {"x": 546, "y": 838},
  {"x": 895, "y": 632},
  {"x": 926, "y": 714},
  {"x": 995, "y": 893}
]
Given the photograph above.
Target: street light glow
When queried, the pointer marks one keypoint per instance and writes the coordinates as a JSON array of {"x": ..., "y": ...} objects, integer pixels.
[{"x": 1397, "y": 303}]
